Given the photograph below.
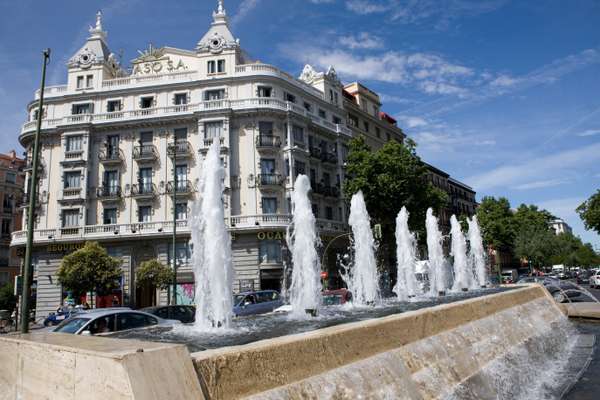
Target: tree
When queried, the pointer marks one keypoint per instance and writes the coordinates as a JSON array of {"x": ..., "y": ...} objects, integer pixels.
[
  {"x": 589, "y": 211},
  {"x": 8, "y": 300},
  {"x": 534, "y": 237},
  {"x": 496, "y": 221},
  {"x": 391, "y": 177},
  {"x": 90, "y": 269},
  {"x": 152, "y": 275}
]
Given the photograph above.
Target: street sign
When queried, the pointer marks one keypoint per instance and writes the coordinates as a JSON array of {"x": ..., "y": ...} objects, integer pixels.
[{"x": 18, "y": 287}]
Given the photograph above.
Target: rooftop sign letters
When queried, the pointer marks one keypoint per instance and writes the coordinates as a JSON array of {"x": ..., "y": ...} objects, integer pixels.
[{"x": 155, "y": 61}]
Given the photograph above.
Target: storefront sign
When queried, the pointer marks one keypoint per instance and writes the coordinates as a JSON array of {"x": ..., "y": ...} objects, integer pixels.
[
  {"x": 64, "y": 247},
  {"x": 157, "y": 67},
  {"x": 270, "y": 235}
]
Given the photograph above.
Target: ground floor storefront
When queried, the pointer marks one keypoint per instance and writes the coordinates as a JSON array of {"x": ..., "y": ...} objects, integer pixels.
[{"x": 259, "y": 260}]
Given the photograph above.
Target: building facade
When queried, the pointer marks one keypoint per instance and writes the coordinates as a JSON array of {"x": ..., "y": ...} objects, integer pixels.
[
  {"x": 560, "y": 226},
  {"x": 12, "y": 181},
  {"x": 113, "y": 140}
]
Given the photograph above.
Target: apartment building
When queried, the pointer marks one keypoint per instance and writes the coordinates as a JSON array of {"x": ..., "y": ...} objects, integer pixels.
[
  {"x": 12, "y": 180},
  {"x": 113, "y": 140}
]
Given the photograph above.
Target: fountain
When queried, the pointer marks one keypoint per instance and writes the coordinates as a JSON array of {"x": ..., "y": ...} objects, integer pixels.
[
  {"x": 363, "y": 279},
  {"x": 211, "y": 257},
  {"x": 406, "y": 285},
  {"x": 305, "y": 291},
  {"x": 462, "y": 274},
  {"x": 438, "y": 278},
  {"x": 476, "y": 253}
]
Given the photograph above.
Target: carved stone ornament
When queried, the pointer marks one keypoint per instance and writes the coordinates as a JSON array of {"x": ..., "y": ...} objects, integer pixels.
[
  {"x": 216, "y": 43},
  {"x": 308, "y": 74},
  {"x": 332, "y": 74},
  {"x": 86, "y": 58}
]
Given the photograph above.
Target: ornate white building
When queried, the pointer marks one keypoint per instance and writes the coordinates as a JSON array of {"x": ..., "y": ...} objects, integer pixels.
[{"x": 109, "y": 136}]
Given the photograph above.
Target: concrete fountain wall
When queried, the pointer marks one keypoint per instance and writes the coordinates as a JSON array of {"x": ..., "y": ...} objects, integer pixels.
[{"x": 424, "y": 354}]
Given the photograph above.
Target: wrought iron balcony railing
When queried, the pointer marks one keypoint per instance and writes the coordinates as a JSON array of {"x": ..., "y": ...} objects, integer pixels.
[
  {"x": 145, "y": 152},
  {"x": 143, "y": 190},
  {"x": 181, "y": 148},
  {"x": 268, "y": 141},
  {"x": 269, "y": 180},
  {"x": 109, "y": 192},
  {"x": 109, "y": 155},
  {"x": 315, "y": 152},
  {"x": 182, "y": 187}
]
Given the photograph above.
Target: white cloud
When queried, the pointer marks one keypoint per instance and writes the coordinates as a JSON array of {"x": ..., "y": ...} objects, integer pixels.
[
  {"x": 589, "y": 132},
  {"x": 439, "y": 12},
  {"x": 544, "y": 167},
  {"x": 364, "y": 7},
  {"x": 563, "y": 208},
  {"x": 321, "y": 1},
  {"x": 504, "y": 81},
  {"x": 541, "y": 184},
  {"x": 413, "y": 122},
  {"x": 429, "y": 73},
  {"x": 364, "y": 40},
  {"x": 246, "y": 6}
]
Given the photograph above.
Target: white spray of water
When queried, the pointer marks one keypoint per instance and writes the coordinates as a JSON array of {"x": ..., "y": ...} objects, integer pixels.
[
  {"x": 438, "y": 277},
  {"x": 462, "y": 273},
  {"x": 406, "y": 284},
  {"x": 363, "y": 281},
  {"x": 211, "y": 259},
  {"x": 476, "y": 253},
  {"x": 305, "y": 292}
]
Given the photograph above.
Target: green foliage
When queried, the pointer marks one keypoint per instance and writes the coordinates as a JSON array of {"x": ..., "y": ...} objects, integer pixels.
[
  {"x": 8, "y": 300},
  {"x": 589, "y": 211},
  {"x": 391, "y": 177},
  {"x": 571, "y": 251},
  {"x": 154, "y": 274},
  {"x": 496, "y": 221},
  {"x": 534, "y": 238},
  {"x": 89, "y": 269}
]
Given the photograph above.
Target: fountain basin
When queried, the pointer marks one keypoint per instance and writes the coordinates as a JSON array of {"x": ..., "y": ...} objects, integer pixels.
[{"x": 453, "y": 350}]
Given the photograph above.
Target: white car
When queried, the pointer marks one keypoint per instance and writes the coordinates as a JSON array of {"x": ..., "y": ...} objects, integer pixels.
[{"x": 595, "y": 281}]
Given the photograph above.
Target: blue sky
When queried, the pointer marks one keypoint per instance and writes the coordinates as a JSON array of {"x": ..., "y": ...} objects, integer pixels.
[{"x": 504, "y": 95}]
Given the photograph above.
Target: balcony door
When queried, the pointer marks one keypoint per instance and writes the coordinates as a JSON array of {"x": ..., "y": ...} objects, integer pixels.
[
  {"x": 145, "y": 180},
  {"x": 111, "y": 181},
  {"x": 181, "y": 173},
  {"x": 112, "y": 146}
]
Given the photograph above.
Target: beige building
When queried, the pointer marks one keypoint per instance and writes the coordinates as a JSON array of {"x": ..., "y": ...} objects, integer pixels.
[
  {"x": 108, "y": 142},
  {"x": 12, "y": 181}
]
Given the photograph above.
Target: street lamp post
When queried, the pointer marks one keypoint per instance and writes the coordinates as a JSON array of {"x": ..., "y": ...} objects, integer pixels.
[
  {"x": 174, "y": 294},
  {"x": 27, "y": 268}
]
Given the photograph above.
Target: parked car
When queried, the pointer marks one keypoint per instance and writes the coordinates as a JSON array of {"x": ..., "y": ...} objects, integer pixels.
[
  {"x": 106, "y": 320},
  {"x": 185, "y": 314},
  {"x": 509, "y": 276},
  {"x": 560, "y": 290},
  {"x": 583, "y": 277},
  {"x": 260, "y": 302},
  {"x": 336, "y": 297},
  {"x": 595, "y": 281}
]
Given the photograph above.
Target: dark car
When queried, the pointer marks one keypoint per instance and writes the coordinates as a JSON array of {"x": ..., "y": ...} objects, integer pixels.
[
  {"x": 261, "y": 302},
  {"x": 185, "y": 314},
  {"x": 336, "y": 297},
  {"x": 560, "y": 290},
  {"x": 583, "y": 277}
]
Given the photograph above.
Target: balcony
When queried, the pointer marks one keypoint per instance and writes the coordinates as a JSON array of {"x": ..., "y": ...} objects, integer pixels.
[
  {"x": 73, "y": 157},
  {"x": 72, "y": 194},
  {"x": 145, "y": 152},
  {"x": 29, "y": 166},
  {"x": 326, "y": 190},
  {"x": 143, "y": 191},
  {"x": 328, "y": 157},
  {"x": 183, "y": 188},
  {"x": 108, "y": 156},
  {"x": 315, "y": 152},
  {"x": 109, "y": 193},
  {"x": 268, "y": 142},
  {"x": 25, "y": 201},
  {"x": 181, "y": 149},
  {"x": 207, "y": 142},
  {"x": 269, "y": 180}
]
